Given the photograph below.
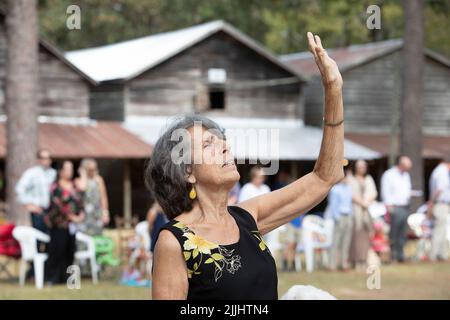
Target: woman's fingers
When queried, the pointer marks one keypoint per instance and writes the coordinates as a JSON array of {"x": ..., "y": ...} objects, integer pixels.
[
  {"x": 318, "y": 41},
  {"x": 319, "y": 48},
  {"x": 311, "y": 43}
]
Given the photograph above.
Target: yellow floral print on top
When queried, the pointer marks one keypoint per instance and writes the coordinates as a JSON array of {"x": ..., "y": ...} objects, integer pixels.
[{"x": 195, "y": 247}]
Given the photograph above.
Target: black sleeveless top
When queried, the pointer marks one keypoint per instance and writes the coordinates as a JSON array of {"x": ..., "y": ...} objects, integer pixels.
[{"x": 243, "y": 270}]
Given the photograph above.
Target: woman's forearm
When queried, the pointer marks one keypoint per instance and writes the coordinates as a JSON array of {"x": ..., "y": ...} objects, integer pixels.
[{"x": 329, "y": 166}]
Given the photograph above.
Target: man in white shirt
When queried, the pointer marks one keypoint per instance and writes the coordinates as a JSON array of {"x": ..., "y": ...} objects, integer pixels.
[
  {"x": 396, "y": 194},
  {"x": 33, "y": 189},
  {"x": 439, "y": 209},
  {"x": 255, "y": 187}
]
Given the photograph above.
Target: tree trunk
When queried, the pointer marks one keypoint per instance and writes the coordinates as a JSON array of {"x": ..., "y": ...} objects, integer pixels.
[
  {"x": 21, "y": 99},
  {"x": 412, "y": 95}
]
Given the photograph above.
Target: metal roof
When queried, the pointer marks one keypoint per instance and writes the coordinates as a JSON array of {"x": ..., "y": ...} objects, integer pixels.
[
  {"x": 352, "y": 56},
  {"x": 293, "y": 140},
  {"x": 434, "y": 147},
  {"x": 95, "y": 140},
  {"x": 128, "y": 59}
]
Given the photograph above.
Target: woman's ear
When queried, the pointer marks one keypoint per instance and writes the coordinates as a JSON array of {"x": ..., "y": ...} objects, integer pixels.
[
  {"x": 190, "y": 176},
  {"x": 191, "y": 179}
]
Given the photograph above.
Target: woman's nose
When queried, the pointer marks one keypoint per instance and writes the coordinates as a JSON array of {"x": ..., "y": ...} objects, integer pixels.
[{"x": 225, "y": 146}]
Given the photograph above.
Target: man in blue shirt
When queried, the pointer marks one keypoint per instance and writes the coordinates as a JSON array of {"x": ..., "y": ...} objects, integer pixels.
[{"x": 340, "y": 210}]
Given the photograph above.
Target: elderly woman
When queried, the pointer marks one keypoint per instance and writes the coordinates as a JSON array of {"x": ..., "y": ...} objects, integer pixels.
[{"x": 213, "y": 251}]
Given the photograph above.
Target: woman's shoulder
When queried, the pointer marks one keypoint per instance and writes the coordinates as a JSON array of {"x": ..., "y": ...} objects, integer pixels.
[
  {"x": 167, "y": 240},
  {"x": 55, "y": 187},
  {"x": 243, "y": 217},
  {"x": 369, "y": 178},
  {"x": 176, "y": 228}
]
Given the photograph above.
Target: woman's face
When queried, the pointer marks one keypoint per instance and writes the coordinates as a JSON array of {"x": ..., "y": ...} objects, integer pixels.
[
  {"x": 213, "y": 162},
  {"x": 361, "y": 167},
  {"x": 258, "y": 178},
  {"x": 66, "y": 171},
  {"x": 91, "y": 169}
]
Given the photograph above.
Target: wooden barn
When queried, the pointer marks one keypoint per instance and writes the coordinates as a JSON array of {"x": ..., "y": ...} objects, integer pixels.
[
  {"x": 213, "y": 69},
  {"x": 66, "y": 129},
  {"x": 372, "y": 97}
]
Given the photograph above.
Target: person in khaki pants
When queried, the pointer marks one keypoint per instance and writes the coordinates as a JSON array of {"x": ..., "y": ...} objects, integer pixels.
[
  {"x": 340, "y": 210},
  {"x": 439, "y": 209}
]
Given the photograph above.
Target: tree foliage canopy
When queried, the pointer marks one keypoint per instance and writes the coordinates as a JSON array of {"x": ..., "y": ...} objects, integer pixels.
[{"x": 281, "y": 25}]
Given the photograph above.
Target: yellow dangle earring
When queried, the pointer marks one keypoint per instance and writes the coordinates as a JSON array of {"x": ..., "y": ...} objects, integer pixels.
[{"x": 192, "y": 193}]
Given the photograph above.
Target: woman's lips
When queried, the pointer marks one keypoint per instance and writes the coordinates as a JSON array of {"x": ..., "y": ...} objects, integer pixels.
[{"x": 229, "y": 163}]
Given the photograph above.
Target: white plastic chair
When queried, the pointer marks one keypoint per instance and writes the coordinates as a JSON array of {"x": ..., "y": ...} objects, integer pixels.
[
  {"x": 415, "y": 221},
  {"x": 314, "y": 225},
  {"x": 141, "y": 230},
  {"x": 28, "y": 238},
  {"x": 88, "y": 254}
]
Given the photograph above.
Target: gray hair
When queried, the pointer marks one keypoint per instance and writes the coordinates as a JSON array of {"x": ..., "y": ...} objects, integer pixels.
[{"x": 166, "y": 179}]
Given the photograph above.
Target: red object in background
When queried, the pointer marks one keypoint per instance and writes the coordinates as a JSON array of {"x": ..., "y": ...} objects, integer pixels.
[
  {"x": 8, "y": 245},
  {"x": 387, "y": 216}
]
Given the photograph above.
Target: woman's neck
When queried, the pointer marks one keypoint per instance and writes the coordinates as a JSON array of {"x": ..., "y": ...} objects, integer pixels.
[
  {"x": 65, "y": 183},
  {"x": 211, "y": 206}
]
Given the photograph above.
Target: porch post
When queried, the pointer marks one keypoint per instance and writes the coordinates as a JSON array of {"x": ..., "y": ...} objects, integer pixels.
[{"x": 127, "y": 193}]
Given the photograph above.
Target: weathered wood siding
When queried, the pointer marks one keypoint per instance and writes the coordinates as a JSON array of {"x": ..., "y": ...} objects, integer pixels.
[
  {"x": 63, "y": 92},
  {"x": 436, "y": 118},
  {"x": 173, "y": 86},
  {"x": 372, "y": 91}
]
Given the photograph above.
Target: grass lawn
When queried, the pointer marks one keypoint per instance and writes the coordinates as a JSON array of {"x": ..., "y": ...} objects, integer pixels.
[{"x": 409, "y": 281}]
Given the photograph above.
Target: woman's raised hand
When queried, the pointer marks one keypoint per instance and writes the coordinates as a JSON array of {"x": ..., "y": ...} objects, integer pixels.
[{"x": 327, "y": 66}]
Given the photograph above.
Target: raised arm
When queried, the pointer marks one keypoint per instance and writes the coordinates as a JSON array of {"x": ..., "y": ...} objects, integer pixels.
[{"x": 281, "y": 206}]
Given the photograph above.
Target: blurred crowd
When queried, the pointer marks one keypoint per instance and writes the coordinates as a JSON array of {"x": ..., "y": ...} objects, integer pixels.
[
  {"x": 366, "y": 220},
  {"x": 60, "y": 204}
]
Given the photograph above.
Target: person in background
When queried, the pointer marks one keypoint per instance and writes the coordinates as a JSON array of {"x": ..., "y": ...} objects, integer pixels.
[
  {"x": 293, "y": 238},
  {"x": 256, "y": 186},
  {"x": 66, "y": 208},
  {"x": 234, "y": 194},
  {"x": 439, "y": 209},
  {"x": 396, "y": 195},
  {"x": 293, "y": 231},
  {"x": 340, "y": 210},
  {"x": 364, "y": 193},
  {"x": 95, "y": 198},
  {"x": 33, "y": 189},
  {"x": 156, "y": 220}
]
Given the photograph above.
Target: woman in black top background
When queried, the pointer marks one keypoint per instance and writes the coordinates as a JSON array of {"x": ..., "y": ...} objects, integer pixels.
[{"x": 209, "y": 250}]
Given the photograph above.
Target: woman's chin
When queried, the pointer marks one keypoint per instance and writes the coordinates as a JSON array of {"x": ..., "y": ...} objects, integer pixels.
[{"x": 230, "y": 176}]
